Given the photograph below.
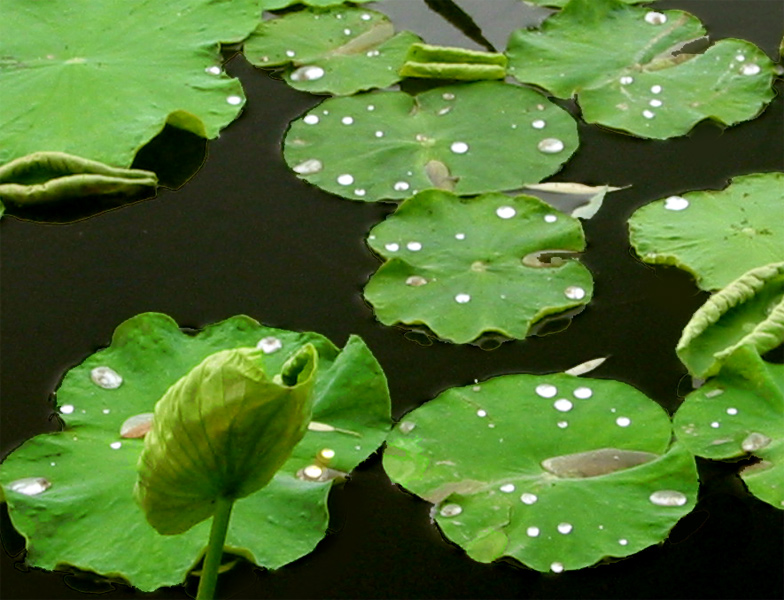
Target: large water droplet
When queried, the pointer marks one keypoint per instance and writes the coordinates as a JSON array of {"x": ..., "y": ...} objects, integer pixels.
[
  {"x": 414, "y": 246},
  {"x": 392, "y": 247},
  {"x": 574, "y": 292},
  {"x": 30, "y": 486},
  {"x": 345, "y": 179},
  {"x": 656, "y": 89},
  {"x": 564, "y": 528},
  {"x": 668, "y": 498},
  {"x": 532, "y": 531},
  {"x": 481, "y": 413},
  {"x": 451, "y": 510},
  {"x": 311, "y": 119},
  {"x": 583, "y": 393},
  {"x": 546, "y": 390},
  {"x": 656, "y": 103},
  {"x": 326, "y": 454},
  {"x": 213, "y": 70},
  {"x": 106, "y": 378},
  {"x": 347, "y": 120},
  {"x": 557, "y": 567},
  {"x": 309, "y": 167},
  {"x": 562, "y": 405},
  {"x": 416, "y": 281},
  {"x": 528, "y": 498},
  {"x": 648, "y": 114},
  {"x": 550, "y": 218},
  {"x": 732, "y": 411},
  {"x": 462, "y": 298},
  {"x": 623, "y": 421},
  {"x": 550, "y": 146},
  {"x": 460, "y": 236},
  {"x": 459, "y": 147},
  {"x": 655, "y": 18},
  {"x": 755, "y": 441},
  {"x": 269, "y": 344},
  {"x": 750, "y": 69},
  {"x": 539, "y": 124},
  {"x": 407, "y": 427},
  {"x": 136, "y": 426},
  {"x": 67, "y": 409},
  {"x": 311, "y": 473},
  {"x": 307, "y": 73},
  {"x": 505, "y": 212},
  {"x": 507, "y": 488},
  {"x": 115, "y": 445},
  {"x": 676, "y": 203},
  {"x": 234, "y": 100}
]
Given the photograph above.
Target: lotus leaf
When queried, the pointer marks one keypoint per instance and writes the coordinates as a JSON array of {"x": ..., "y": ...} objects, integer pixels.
[
  {"x": 424, "y": 60},
  {"x": 389, "y": 145},
  {"x": 44, "y": 177},
  {"x": 100, "y": 79},
  {"x": 715, "y": 235},
  {"x": 740, "y": 413},
  {"x": 88, "y": 517},
  {"x": 621, "y": 62},
  {"x": 466, "y": 266},
  {"x": 748, "y": 312},
  {"x": 554, "y": 470},
  {"x": 339, "y": 51}
]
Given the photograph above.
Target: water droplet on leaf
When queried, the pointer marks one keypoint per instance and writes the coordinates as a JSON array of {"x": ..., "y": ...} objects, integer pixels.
[
  {"x": 451, "y": 510},
  {"x": 462, "y": 298},
  {"x": 416, "y": 281},
  {"x": 311, "y": 119},
  {"x": 574, "y": 292},
  {"x": 309, "y": 167},
  {"x": 532, "y": 531},
  {"x": 345, "y": 179},
  {"x": 459, "y": 147},
  {"x": 562, "y": 405},
  {"x": 546, "y": 390},
  {"x": 136, "y": 426},
  {"x": 507, "y": 488},
  {"x": 505, "y": 212},
  {"x": 623, "y": 421},
  {"x": 269, "y": 344},
  {"x": 676, "y": 203},
  {"x": 750, "y": 69},
  {"x": 234, "y": 100},
  {"x": 106, "y": 378},
  {"x": 755, "y": 441},
  {"x": 655, "y": 18},
  {"x": 307, "y": 73},
  {"x": 67, "y": 409},
  {"x": 550, "y": 146},
  {"x": 564, "y": 528},
  {"x": 668, "y": 498},
  {"x": 30, "y": 486},
  {"x": 347, "y": 120}
]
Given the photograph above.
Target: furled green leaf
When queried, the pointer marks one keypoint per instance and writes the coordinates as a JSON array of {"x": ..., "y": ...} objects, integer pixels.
[
  {"x": 715, "y": 235},
  {"x": 101, "y": 79},
  {"x": 740, "y": 413},
  {"x": 222, "y": 431},
  {"x": 441, "y": 62},
  {"x": 44, "y": 177},
  {"x": 389, "y": 145},
  {"x": 622, "y": 63},
  {"x": 466, "y": 266},
  {"x": 748, "y": 312},
  {"x": 555, "y": 471},
  {"x": 88, "y": 517},
  {"x": 339, "y": 51}
]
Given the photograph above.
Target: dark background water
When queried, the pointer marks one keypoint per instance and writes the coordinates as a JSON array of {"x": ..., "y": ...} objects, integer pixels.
[{"x": 244, "y": 236}]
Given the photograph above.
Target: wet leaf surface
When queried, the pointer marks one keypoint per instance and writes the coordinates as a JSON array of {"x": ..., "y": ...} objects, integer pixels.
[
  {"x": 462, "y": 266},
  {"x": 87, "y": 516},
  {"x": 716, "y": 235},
  {"x": 625, "y": 66},
  {"x": 553, "y": 470},
  {"x": 389, "y": 145}
]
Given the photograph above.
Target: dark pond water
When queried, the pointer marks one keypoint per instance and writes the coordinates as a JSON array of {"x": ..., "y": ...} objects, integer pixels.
[{"x": 244, "y": 236}]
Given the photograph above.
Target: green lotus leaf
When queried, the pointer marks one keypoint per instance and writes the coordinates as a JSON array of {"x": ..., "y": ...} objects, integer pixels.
[
  {"x": 740, "y": 413},
  {"x": 222, "y": 431},
  {"x": 555, "y": 471},
  {"x": 102, "y": 87},
  {"x": 466, "y": 266},
  {"x": 338, "y": 51},
  {"x": 87, "y": 516},
  {"x": 389, "y": 145},
  {"x": 717, "y": 236},
  {"x": 44, "y": 177},
  {"x": 621, "y": 62},
  {"x": 279, "y": 4},
  {"x": 441, "y": 62},
  {"x": 748, "y": 312}
]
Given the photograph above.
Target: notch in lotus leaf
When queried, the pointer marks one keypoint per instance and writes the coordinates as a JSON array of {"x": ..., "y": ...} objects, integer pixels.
[
  {"x": 389, "y": 145},
  {"x": 555, "y": 471},
  {"x": 102, "y": 87},
  {"x": 739, "y": 414},
  {"x": 717, "y": 236},
  {"x": 339, "y": 51},
  {"x": 467, "y": 266},
  {"x": 72, "y": 513},
  {"x": 628, "y": 69}
]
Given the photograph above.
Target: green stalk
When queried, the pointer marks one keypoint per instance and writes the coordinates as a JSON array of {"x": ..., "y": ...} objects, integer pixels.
[{"x": 212, "y": 560}]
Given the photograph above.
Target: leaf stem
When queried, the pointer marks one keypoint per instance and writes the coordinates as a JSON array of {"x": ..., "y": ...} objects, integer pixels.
[{"x": 209, "y": 571}]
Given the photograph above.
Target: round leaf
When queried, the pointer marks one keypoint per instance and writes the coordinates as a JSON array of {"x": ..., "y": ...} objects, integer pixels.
[
  {"x": 389, "y": 145},
  {"x": 716, "y": 236},
  {"x": 88, "y": 517},
  {"x": 555, "y": 471},
  {"x": 339, "y": 51},
  {"x": 101, "y": 79},
  {"x": 748, "y": 312},
  {"x": 740, "y": 413},
  {"x": 620, "y": 61},
  {"x": 462, "y": 266}
]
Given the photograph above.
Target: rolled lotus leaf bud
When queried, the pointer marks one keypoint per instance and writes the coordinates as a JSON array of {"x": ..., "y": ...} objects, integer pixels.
[{"x": 223, "y": 430}]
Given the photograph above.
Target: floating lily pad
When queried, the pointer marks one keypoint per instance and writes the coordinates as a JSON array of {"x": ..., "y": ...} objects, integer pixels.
[
  {"x": 737, "y": 414},
  {"x": 555, "y": 471},
  {"x": 102, "y": 87},
  {"x": 621, "y": 62},
  {"x": 339, "y": 51},
  {"x": 71, "y": 493},
  {"x": 44, "y": 177},
  {"x": 389, "y": 145},
  {"x": 464, "y": 266},
  {"x": 716, "y": 236},
  {"x": 748, "y": 312}
]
